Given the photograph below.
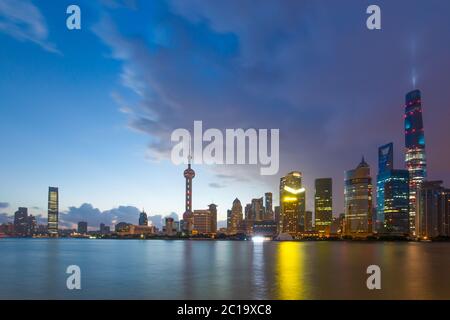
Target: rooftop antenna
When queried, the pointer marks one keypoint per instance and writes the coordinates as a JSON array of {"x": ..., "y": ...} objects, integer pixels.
[{"x": 190, "y": 154}]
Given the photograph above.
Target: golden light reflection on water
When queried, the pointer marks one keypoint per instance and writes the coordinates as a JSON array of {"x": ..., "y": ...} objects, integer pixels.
[{"x": 290, "y": 268}]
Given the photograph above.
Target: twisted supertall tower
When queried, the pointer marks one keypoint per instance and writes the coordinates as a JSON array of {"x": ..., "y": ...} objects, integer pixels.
[
  {"x": 188, "y": 217},
  {"x": 415, "y": 159}
]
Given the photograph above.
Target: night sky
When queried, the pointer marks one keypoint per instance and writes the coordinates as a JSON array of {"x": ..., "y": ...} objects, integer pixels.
[{"x": 91, "y": 111}]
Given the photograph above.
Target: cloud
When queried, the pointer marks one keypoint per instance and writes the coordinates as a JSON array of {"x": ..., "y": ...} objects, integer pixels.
[
  {"x": 94, "y": 216},
  {"x": 216, "y": 185},
  {"x": 334, "y": 89},
  {"x": 5, "y": 218},
  {"x": 4, "y": 205},
  {"x": 25, "y": 22}
]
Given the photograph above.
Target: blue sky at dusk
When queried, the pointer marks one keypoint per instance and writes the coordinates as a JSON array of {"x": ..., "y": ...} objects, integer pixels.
[{"x": 91, "y": 111}]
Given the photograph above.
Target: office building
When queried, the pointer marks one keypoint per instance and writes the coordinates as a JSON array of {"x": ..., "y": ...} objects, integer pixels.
[
  {"x": 53, "y": 211},
  {"x": 268, "y": 207},
  {"x": 21, "y": 222},
  {"x": 292, "y": 204},
  {"x": 143, "y": 219},
  {"x": 358, "y": 201},
  {"x": 213, "y": 210},
  {"x": 170, "y": 229},
  {"x": 323, "y": 205},
  {"x": 235, "y": 217},
  {"x": 202, "y": 221},
  {"x": 392, "y": 195},
  {"x": 82, "y": 227},
  {"x": 432, "y": 218}
]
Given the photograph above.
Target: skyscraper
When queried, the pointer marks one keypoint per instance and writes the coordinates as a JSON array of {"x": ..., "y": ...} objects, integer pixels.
[
  {"x": 188, "y": 218},
  {"x": 82, "y": 227},
  {"x": 170, "y": 228},
  {"x": 53, "y": 211},
  {"x": 308, "y": 221},
  {"x": 392, "y": 194},
  {"x": 235, "y": 217},
  {"x": 257, "y": 209},
  {"x": 432, "y": 210},
  {"x": 323, "y": 205},
  {"x": 268, "y": 210},
  {"x": 213, "y": 210},
  {"x": 21, "y": 221},
  {"x": 202, "y": 221},
  {"x": 143, "y": 219},
  {"x": 292, "y": 204},
  {"x": 358, "y": 201},
  {"x": 415, "y": 150}
]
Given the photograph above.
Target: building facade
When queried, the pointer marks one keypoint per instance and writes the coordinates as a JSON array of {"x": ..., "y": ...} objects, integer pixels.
[
  {"x": 392, "y": 194},
  {"x": 53, "y": 211},
  {"x": 292, "y": 204},
  {"x": 268, "y": 206},
  {"x": 21, "y": 222},
  {"x": 202, "y": 221},
  {"x": 323, "y": 205},
  {"x": 358, "y": 201},
  {"x": 143, "y": 219},
  {"x": 415, "y": 158},
  {"x": 235, "y": 217},
  {"x": 433, "y": 210},
  {"x": 213, "y": 210},
  {"x": 82, "y": 227}
]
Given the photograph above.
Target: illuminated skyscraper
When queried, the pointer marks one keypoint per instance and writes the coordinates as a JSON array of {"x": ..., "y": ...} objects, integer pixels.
[
  {"x": 202, "y": 221},
  {"x": 433, "y": 206},
  {"x": 188, "y": 218},
  {"x": 323, "y": 205},
  {"x": 392, "y": 194},
  {"x": 53, "y": 211},
  {"x": 358, "y": 201},
  {"x": 415, "y": 150},
  {"x": 235, "y": 217},
  {"x": 292, "y": 204}
]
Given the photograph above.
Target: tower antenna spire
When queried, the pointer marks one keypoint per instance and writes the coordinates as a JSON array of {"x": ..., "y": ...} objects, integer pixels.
[{"x": 190, "y": 153}]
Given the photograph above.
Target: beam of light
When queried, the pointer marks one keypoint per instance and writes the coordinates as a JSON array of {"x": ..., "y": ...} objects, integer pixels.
[
  {"x": 294, "y": 191},
  {"x": 258, "y": 239}
]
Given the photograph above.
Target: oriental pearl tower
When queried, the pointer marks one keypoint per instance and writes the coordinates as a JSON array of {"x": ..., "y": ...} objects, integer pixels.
[{"x": 188, "y": 217}]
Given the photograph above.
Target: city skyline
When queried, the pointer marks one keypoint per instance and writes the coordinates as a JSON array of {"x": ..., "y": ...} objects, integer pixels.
[{"x": 105, "y": 164}]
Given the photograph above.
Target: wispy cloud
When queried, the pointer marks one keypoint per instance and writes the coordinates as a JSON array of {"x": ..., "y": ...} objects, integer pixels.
[
  {"x": 216, "y": 185},
  {"x": 25, "y": 22},
  {"x": 4, "y": 205}
]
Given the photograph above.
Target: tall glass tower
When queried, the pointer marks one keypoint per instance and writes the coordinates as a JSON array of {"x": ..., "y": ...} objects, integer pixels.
[
  {"x": 392, "y": 194},
  {"x": 415, "y": 150},
  {"x": 323, "y": 205},
  {"x": 53, "y": 200},
  {"x": 292, "y": 202}
]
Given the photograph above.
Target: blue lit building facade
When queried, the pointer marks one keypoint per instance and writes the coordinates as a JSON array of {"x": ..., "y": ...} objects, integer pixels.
[
  {"x": 415, "y": 150},
  {"x": 392, "y": 194}
]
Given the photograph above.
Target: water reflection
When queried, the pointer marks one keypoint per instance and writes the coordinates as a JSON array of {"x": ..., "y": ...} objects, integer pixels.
[
  {"x": 116, "y": 269},
  {"x": 290, "y": 269}
]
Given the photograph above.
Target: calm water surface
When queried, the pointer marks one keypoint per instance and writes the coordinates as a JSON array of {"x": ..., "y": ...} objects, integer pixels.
[{"x": 159, "y": 269}]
